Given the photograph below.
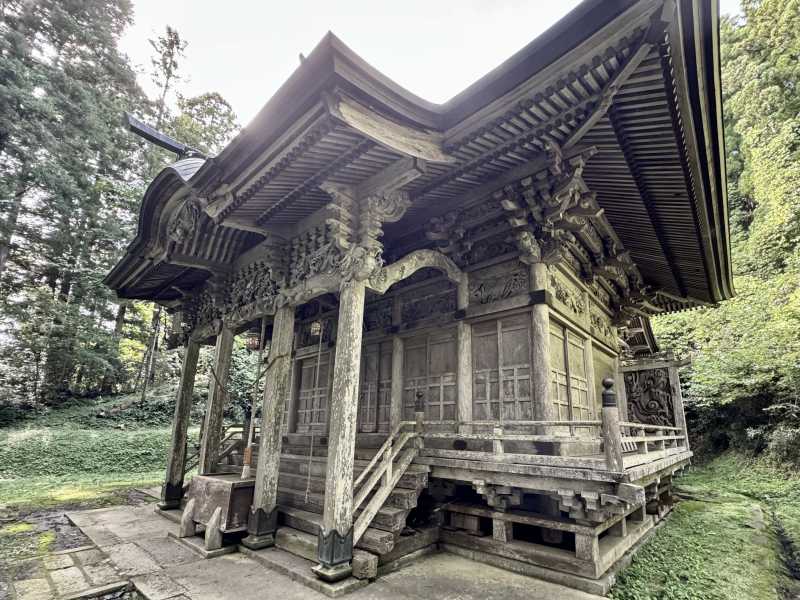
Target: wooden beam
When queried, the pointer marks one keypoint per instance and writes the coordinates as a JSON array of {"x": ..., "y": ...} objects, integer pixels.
[
  {"x": 416, "y": 143},
  {"x": 185, "y": 260},
  {"x": 392, "y": 177}
]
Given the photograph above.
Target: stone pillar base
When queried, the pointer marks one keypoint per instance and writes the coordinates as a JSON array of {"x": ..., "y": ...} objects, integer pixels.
[
  {"x": 171, "y": 496},
  {"x": 261, "y": 527},
  {"x": 258, "y": 542},
  {"x": 334, "y": 573}
]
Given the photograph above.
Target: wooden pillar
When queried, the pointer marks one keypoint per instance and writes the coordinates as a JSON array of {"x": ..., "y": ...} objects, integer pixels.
[
  {"x": 215, "y": 405},
  {"x": 263, "y": 519},
  {"x": 612, "y": 437},
  {"x": 396, "y": 408},
  {"x": 464, "y": 366},
  {"x": 588, "y": 360},
  {"x": 622, "y": 392},
  {"x": 587, "y": 547},
  {"x": 544, "y": 409},
  {"x": 677, "y": 404},
  {"x": 335, "y": 543},
  {"x": 172, "y": 492}
]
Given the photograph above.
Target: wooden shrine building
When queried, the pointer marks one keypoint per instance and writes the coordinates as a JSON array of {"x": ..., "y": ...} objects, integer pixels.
[{"x": 456, "y": 300}]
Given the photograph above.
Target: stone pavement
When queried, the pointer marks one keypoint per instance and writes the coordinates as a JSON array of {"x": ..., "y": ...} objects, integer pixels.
[
  {"x": 132, "y": 545},
  {"x": 74, "y": 573}
]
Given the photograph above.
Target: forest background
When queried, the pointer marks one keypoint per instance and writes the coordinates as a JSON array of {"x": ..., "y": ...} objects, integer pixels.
[{"x": 72, "y": 178}]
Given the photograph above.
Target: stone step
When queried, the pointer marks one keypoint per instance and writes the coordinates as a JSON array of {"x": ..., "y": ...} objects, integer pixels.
[
  {"x": 374, "y": 540},
  {"x": 299, "y": 569},
  {"x": 300, "y": 543},
  {"x": 388, "y": 518}
]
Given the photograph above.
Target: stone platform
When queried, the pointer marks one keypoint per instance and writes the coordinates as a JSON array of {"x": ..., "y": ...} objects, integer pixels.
[{"x": 132, "y": 550}]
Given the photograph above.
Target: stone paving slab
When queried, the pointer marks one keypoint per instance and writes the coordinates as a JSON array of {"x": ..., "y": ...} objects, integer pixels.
[
  {"x": 65, "y": 575},
  {"x": 135, "y": 542}
]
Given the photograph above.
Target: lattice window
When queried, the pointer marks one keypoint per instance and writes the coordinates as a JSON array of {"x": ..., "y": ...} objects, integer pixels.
[
  {"x": 374, "y": 399},
  {"x": 429, "y": 369},
  {"x": 312, "y": 398},
  {"x": 569, "y": 382},
  {"x": 501, "y": 366}
]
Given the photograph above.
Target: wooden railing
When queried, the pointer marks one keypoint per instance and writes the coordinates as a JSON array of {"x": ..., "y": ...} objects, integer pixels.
[
  {"x": 641, "y": 443},
  {"x": 383, "y": 470}
]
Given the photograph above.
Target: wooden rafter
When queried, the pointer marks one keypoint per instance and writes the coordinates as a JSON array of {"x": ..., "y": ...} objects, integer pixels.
[{"x": 359, "y": 148}]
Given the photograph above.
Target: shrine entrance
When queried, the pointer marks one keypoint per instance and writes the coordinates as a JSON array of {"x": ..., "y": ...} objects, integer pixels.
[
  {"x": 313, "y": 392},
  {"x": 429, "y": 375},
  {"x": 374, "y": 399}
]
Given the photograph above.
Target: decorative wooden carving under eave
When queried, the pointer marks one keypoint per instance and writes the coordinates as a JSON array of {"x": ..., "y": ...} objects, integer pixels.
[
  {"x": 649, "y": 395},
  {"x": 498, "y": 283},
  {"x": 317, "y": 251},
  {"x": 185, "y": 219},
  {"x": 568, "y": 297},
  {"x": 377, "y": 209},
  {"x": 378, "y": 315}
]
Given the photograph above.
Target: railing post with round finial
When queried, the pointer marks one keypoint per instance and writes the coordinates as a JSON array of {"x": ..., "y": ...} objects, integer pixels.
[{"x": 612, "y": 437}]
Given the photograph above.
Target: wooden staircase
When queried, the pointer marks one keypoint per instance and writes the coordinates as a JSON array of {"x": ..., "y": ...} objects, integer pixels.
[{"x": 386, "y": 487}]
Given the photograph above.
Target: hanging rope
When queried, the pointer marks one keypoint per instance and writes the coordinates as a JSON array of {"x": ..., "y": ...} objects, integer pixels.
[
  {"x": 248, "y": 449},
  {"x": 316, "y": 387}
]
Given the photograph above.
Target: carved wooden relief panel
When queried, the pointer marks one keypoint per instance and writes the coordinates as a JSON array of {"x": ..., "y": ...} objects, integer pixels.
[
  {"x": 314, "y": 252},
  {"x": 568, "y": 299},
  {"x": 498, "y": 282},
  {"x": 422, "y": 303},
  {"x": 650, "y": 397},
  {"x": 378, "y": 315}
]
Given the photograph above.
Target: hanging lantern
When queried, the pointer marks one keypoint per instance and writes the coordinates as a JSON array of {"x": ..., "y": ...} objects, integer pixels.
[{"x": 252, "y": 341}]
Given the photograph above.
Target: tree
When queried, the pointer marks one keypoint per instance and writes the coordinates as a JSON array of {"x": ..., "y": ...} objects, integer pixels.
[{"x": 747, "y": 351}]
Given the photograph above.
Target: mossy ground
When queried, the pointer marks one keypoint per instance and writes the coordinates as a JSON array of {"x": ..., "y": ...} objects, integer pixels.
[{"x": 721, "y": 541}]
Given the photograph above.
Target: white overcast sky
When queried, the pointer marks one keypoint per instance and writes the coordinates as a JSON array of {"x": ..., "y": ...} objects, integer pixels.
[{"x": 435, "y": 48}]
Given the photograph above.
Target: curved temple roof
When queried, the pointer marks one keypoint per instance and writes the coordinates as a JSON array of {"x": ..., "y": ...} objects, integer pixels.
[{"x": 636, "y": 81}]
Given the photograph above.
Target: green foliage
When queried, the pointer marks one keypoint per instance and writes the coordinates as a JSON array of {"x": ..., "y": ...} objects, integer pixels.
[
  {"x": 59, "y": 452},
  {"x": 746, "y": 352},
  {"x": 71, "y": 179},
  {"x": 722, "y": 542}
]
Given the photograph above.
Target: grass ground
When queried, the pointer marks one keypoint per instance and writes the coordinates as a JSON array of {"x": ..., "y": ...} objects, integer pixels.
[{"x": 730, "y": 538}]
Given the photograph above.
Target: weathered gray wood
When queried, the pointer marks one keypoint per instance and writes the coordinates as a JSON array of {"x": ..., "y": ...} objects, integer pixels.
[
  {"x": 612, "y": 436},
  {"x": 396, "y": 410},
  {"x": 677, "y": 405},
  {"x": 464, "y": 376},
  {"x": 380, "y": 496},
  {"x": 543, "y": 460},
  {"x": 173, "y": 486},
  {"x": 213, "y": 536},
  {"x": 544, "y": 409},
  {"x": 215, "y": 404},
  {"x": 558, "y": 466},
  {"x": 276, "y": 389},
  {"x": 512, "y": 516},
  {"x": 587, "y": 547},
  {"x": 338, "y": 511},
  {"x": 187, "y": 526}
]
